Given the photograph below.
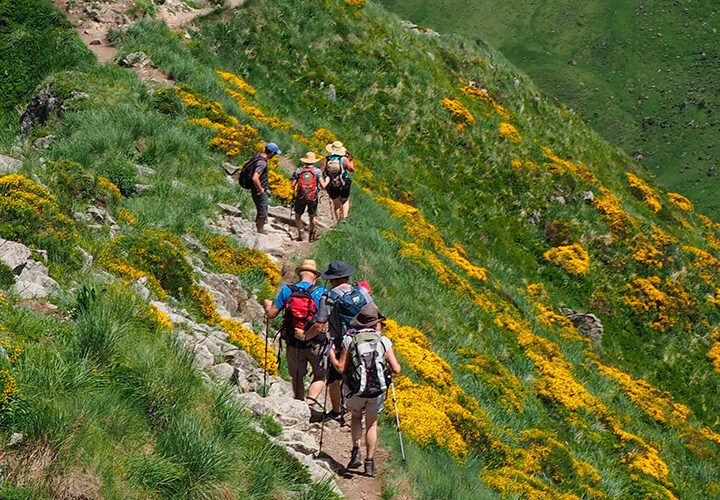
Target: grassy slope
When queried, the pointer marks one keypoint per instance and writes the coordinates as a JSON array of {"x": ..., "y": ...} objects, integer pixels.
[
  {"x": 635, "y": 60},
  {"x": 389, "y": 112}
]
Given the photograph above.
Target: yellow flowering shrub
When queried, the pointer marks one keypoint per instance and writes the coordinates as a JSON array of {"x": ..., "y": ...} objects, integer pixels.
[
  {"x": 617, "y": 219},
  {"x": 130, "y": 274},
  {"x": 680, "y": 201},
  {"x": 159, "y": 318},
  {"x": 211, "y": 110},
  {"x": 643, "y": 192},
  {"x": 645, "y": 252},
  {"x": 703, "y": 259},
  {"x": 530, "y": 165},
  {"x": 356, "y": 3},
  {"x": 256, "y": 112},
  {"x": 645, "y": 297},
  {"x": 483, "y": 96},
  {"x": 508, "y": 388},
  {"x": 110, "y": 187},
  {"x": 280, "y": 186},
  {"x": 205, "y": 303},
  {"x": 714, "y": 355},
  {"x": 460, "y": 114},
  {"x": 234, "y": 140},
  {"x": 12, "y": 351},
  {"x": 30, "y": 215},
  {"x": 250, "y": 342},
  {"x": 547, "y": 316},
  {"x": 237, "y": 82},
  {"x": 423, "y": 232},
  {"x": 9, "y": 388},
  {"x": 573, "y": 258},
  {"x": 509, "y": 131},
  {"x": 423, "y": 411},
  {"x": 661, "y": 238},
  {"x": 230, "y": 259},
  {"x": 127, "y": 216},
  {"x": 560, "y": 165},
  {"x": 656, "y": 404},
  {"x": 416, "y": 349}
]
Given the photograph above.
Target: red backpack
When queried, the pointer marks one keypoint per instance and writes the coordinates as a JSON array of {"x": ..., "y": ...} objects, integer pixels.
[
  {"x": 307, "y": 184},
  {"x": 300, "y": 310}
]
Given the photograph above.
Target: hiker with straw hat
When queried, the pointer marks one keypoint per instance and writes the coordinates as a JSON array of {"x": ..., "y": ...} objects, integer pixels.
[
  {"x": 300, "y": 302},
  {"x": 335, "y": 167},
  {"x": 366, "y": 356},
  {"x": 307, "y": 181}
]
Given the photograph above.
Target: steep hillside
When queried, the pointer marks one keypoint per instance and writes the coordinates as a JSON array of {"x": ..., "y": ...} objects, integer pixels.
[
  {"x": 644, "y": 75},
  {"x": 490, "y": 223}
]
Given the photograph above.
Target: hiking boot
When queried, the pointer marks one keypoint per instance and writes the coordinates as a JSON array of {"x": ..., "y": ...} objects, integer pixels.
[
  {"x": 335, "y": 415},
  {"x": 313, "y": 235},
  {"x": 370, "y": 467},
  {"x": 355, "y": 459},
  {"x": 301, "y": 235}
]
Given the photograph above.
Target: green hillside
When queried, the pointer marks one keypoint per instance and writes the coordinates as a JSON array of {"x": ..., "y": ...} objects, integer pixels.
[
  {"x": 643, "y": 74},
  {"x": 482, "y": 213}
]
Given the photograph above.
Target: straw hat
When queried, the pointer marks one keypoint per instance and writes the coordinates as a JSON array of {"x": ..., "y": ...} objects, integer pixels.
[
  {"x": 336, "y": 148},
  {"x": 310, "y": 158},
  {"x": 308, "y": 265},
  {"x": 368, "y": 317}
]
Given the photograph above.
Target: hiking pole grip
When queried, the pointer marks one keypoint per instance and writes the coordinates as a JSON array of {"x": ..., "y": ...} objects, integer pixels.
[{"x": 397, "y": 420}]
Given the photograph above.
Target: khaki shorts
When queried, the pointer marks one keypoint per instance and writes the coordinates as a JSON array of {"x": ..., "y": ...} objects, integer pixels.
[
  {"x": 298, "y": 359},
  {"x": 370, "y": 405}
]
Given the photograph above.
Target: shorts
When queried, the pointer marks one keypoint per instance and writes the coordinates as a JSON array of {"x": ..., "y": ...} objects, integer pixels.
[
  {"x": 261, "y": 203},
  {"x": 340, "y": 192},
  {"x": 370, "y": 405},
  {"x": 298, "y": 359},
  {"x": 300, "y": 205}
]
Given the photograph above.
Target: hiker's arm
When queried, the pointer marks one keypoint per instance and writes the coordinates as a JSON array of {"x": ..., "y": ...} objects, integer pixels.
[
  {"x": 339, "y": 364},
  {"x": 349, "y": 164},
  {"x": 256, "y": 181},
  {"x": 314, "y": 331},
  {"x": 394, "y": 365},
  {"x": 324, "y": 181},
  {"x": 323, "y": 165},
  {"x": 270, "y": 310}
]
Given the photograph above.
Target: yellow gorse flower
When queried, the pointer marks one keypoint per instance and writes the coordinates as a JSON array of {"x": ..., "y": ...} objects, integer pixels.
[
  {"x": 251, "y": 343},
  {"x": 680, "y": 201},
  {"x": 509, "y": 131},
  {"x": 9, "y": 388},
  {"x": 483, "y": 96},
  {"x": 231, "y": 259},
  {"x": 644, "y": 192},
  {"x": 461, "y": 115},
  {"x": 573, "y": 258}
]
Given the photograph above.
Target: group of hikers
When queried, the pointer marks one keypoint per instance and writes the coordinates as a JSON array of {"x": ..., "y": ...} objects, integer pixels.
[
  {"x": 307, "y": 180},
  {"x": 338, "y": 332}
]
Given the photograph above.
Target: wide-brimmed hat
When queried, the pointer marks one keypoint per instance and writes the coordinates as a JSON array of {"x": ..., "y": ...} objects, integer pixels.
[
  {"x": 338, "y": 269},
  {"x": 308, "y": 265},
  {"x": 368, "y": 317},
  {"x": 336, "y": 148},
  {"x": 310, "y": 158}
]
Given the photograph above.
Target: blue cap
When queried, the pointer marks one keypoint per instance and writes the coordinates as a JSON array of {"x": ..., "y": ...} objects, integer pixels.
[{"x": 273, "y": 148}]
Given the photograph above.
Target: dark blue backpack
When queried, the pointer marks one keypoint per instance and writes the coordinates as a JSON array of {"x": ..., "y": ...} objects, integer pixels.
[{"x": 345, "y": 308}]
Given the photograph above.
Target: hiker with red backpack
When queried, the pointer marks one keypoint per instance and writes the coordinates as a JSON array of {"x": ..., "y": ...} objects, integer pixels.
[
  {"x": 338, "y": 306},
  {"x": 254, "y": 176},
  {"x": 366, "y": 361},
  {"x": 299, "y": 302},
  {"x": 335, "y": 167},
  {"x": 307, "y": 181}
]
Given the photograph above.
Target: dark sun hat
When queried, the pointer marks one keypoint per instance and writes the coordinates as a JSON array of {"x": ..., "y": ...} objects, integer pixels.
[
  {"x": 338, "y": 269},
  {"x": 368, "y": 317}
]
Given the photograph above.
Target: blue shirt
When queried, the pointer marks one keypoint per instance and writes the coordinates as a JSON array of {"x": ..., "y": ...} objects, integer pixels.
[{"x": 302, "y": 285}]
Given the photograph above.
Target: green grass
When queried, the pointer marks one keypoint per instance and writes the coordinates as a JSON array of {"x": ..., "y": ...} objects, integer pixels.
[{"x": 634, "y": 61}]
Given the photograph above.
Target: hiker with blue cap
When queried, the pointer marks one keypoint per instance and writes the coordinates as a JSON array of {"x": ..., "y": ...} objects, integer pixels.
[
  {"x": 338, "y": 306},
  {"x": 254, "y": 176}
]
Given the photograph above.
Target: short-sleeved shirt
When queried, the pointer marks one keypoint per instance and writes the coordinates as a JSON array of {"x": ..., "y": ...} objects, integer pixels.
[
  {"x": 302, "y": 285},
  {"x": 327, "y": 302},
  {"x": 261, "y": 167}
]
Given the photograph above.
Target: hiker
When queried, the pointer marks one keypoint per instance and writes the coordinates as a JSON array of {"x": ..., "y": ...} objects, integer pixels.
[
  {"x": 335, "y": 167},
  {"x": 254, "y": 176},
  {"x": 366, "y": 358},
  {"x": 338, "y": 306},
  {"x": 300, "y": 302},
  {"x": 307, "y": 181}
]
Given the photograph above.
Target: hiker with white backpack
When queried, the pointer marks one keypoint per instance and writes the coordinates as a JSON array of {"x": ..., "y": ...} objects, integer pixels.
[
  {"x": 367, "y": 360},
  {"x": 307, "y": 181},
  {"x": 335, "y": 167}
]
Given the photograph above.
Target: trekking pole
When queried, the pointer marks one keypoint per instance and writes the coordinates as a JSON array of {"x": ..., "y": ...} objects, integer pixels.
[
  {"x": 397, "y": 421},
  {"x": 322, "y": 424},
  {"x": 267, "y": 334}
]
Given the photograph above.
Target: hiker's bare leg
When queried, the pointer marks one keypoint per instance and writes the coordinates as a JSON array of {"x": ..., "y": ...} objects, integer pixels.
[
  {"x": 337, "y": 208},
  {"x": 371, "y": 429},
  {"x": 345, "y": 207},
  {"x": 356, "y": 427},
  {"x": 335, "y": 397},
  {"x": 311, "y": 226},
  {"x": 299, "y": 224},
  {"x": 259, "y": 224},
  {"x": 316, "y": 387}
]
